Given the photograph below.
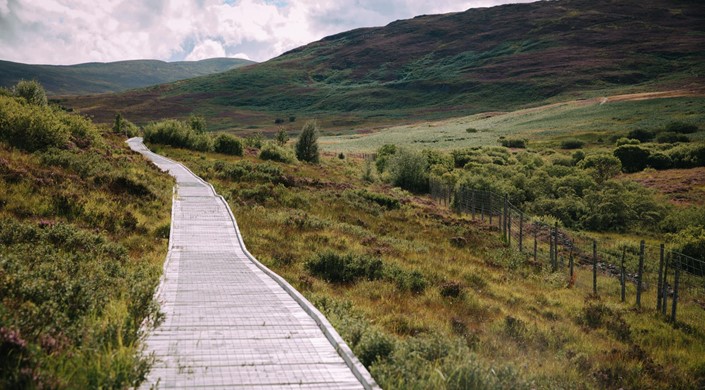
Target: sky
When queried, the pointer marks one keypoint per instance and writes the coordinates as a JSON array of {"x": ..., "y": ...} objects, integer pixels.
[{"x": 64, "y": 32}]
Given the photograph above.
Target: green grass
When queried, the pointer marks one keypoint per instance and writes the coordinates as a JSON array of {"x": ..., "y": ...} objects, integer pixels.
[
  {"x": 439, "y": 314},
  {"x": 542, "y": 126},
  {"x": 83, "y": 234}
]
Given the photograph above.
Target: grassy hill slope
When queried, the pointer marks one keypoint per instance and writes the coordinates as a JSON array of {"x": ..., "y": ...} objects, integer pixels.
[
  {"x": 443, "y": 65},
  {"x": 118, "y": 76}
]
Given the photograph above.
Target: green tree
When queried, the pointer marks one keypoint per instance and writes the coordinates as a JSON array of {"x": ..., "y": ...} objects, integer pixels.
[
  {"x": 117, "y": 127},
  {"x": 197, "y": 123},
  {"x": 409, "y": 170},
  {"x": 31, "y": 91},
  {"x": 633, "y": 157},
  {"x": 307, "y": 144},
  {"x": 602, "y": 166},
  {"x": 282, "y": 137}
]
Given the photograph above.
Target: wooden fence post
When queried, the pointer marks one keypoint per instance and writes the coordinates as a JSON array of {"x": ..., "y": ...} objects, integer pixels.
[
  {"x": 472, "y": 202},
  {"x": 675, "y": 289},
  {"x": 664, "y": 288},
  {"x": 536, "y": 243},
  {"x": 504, "y": 215},
  {"x": 594, "y": 267},
  {"x": 640, "y": 274},
  {"x": 509, "y": 230},
  {"x": 570, "y": 264},
  {"x": 623, "y": 278},
  {"x": 659, "y": 286},
  {"x": 521, "y": 231}
]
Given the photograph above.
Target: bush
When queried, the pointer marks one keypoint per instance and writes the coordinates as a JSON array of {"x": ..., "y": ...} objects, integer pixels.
[
  {"x": 408, "y": 170},
  {"x": 384, "y": 153},
  {"x": 671, "y": 138},
  {"x": 641, "y": 134},
  {"x": 35, "y": 127},
  {"x": 373, "y": 346},
  {"x": 178, "y": 134},
  {"x": 380, "y": 199},
  {"x": 688, "y": 156},
  {"x": 602, "y": 166},
  {"x": 274, "y": 152},
  {"x": 513, "y": 143},
  {"x": 227, "y": 144},
  {"x": 572, "y": 144},
  {"x": 336, "y": 268},
  {"x": 681, "y": 128},
  {"x": 627, "y": 141},
  {"x": 307, "y": 144},
  {"x": 282, "y": 137},
  {"x": 633, "y": 158},
  {"x": 690, "y": 242},
  {"x": 197, "y": 123},
  {"x": 659, "y": 160},
  {"x": 31, "y": 91}
]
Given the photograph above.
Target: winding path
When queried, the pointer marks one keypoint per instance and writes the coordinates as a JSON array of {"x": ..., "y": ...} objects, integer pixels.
[{"x": 229, "y": 321}]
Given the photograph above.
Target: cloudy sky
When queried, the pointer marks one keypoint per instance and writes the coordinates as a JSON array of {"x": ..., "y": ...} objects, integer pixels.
[{"x": 77, "y": 31}]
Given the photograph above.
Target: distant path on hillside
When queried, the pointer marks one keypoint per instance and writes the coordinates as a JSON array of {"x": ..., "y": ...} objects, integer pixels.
[{"x": 229, "y": 321}]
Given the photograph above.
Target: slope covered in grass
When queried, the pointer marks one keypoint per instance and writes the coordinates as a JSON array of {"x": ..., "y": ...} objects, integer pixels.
[
  {"x": 83, "y": 229},
  {"x": 429, "y": 299},
  {"x": 111, "y": 76},
  {"x": 487, "y": 59}
]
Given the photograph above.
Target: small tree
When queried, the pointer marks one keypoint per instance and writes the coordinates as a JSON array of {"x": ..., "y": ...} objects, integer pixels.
[
  {"x": 633, "y": 157},
  {"x": 31, "y": 91},
  {"x": 282, "y": 137},
  {"x": 603, "y": 166},
  {"x": 197, "y": 123},
  {"x": 307, "y": 144},
  {"x": 117, "y": 127}
]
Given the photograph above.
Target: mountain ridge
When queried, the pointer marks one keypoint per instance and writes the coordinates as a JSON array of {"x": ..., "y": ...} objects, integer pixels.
[
  {"x": 487, "y": 59},
  {"x": 117, "y": 76}
]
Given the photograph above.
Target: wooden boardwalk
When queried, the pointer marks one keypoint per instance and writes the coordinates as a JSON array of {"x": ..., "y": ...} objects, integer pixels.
[{"x": 229, "y": 321}]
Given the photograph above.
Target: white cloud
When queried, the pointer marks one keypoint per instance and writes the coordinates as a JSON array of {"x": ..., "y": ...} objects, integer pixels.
[
  {"x": 206, "y": 49},
  {"x": 74, "y": 31}
]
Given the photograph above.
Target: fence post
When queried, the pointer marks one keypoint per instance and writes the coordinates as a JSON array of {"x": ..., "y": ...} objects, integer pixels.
[
  {"x": 640, "y": 274},
  {"x": 536, "y": 243},
  {"x": 675, "y": 289},
  {"x": 509, "y": 229},
  {"x": 472, "y": 202},
  {"x": 504, "y": 215},
  {"x": 594, "y": 267},
  {"x": 623, "y": 278},
  {"x": 555, "y": 245},
  {"x": 570, "y": 264},
  {"x": 521, "y": 231},
  {"x": 482, "y": 209},
  {"x": 659, "y": 286},
  {"x": 490, "y": 207},
  {"x": 664, "y": 288},
  {"x": 550, "y": 250}
]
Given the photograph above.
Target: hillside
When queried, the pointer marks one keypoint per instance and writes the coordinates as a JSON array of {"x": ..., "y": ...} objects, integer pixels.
[
  {"x": 118, "y": 76},
  {"x": 486, "y": 59}
]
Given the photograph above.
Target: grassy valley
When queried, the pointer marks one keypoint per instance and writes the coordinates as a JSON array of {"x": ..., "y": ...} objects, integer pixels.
[
  {"x": 94, "y": 78},
  {"x": 492, "y": 59}
]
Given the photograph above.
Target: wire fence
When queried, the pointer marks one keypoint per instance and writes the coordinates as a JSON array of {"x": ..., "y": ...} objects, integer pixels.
[{"x": 654, "y": 276}]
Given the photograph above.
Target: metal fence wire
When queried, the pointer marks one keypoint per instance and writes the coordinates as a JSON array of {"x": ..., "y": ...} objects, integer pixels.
[{"x": 655, "y": 276}]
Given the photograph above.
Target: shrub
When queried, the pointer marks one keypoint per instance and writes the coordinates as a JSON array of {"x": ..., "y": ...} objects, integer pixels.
[
  {"x": 513, "y": 143},
  {"x": 413, "y": 281},
  {"x": 682, "y": 128},
  {"x": 602, "y": 166},
  {"x": 381, "y": 199},
  {"x": 176, "y": 133},
  {"x": 197, "y": 123},
  {"x": 471, "y": 130},
  {"x": 451, "y": 289},
  {"x": 254, "y": 140},
  {"x": 641, "y": 135},
  {"x": 282, "y": 137},
  {"x": 274, "y": 152},
  {"x": 373, "y": 346},
  {"x": 227, "y": 144},
  {"x": 633, "y": 157},
  {"x": 688, "y": 156},
  {"x": 627, "y": 141},
  {"x": 384, "y": 153},
  {"x": 659, "y": 160},
  {"x": 31, "y": 91},
  {"x": 408, "y": 170},
  {"x": 572, "y": 144},
  {"x": 690, "y": 242},
  {"x": 307, "y": 144},
  {"x": 671, "y": 138},
  {"x": 336, "y": 268}
]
